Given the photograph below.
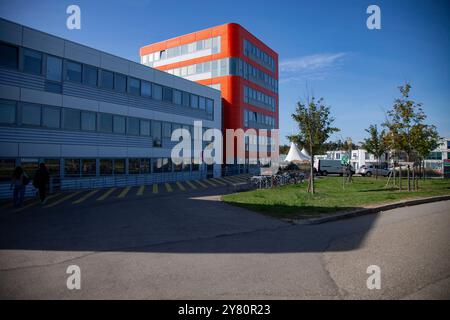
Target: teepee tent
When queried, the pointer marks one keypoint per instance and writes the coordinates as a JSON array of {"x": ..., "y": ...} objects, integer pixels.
[
  {"x": 295, "y": 155},
  {"x": 305, "y": 154}
]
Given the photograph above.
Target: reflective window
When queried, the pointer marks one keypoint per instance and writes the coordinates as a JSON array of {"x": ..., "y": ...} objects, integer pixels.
[
  {"x": 134, "y": 166},
  {"x": 157, "y": 165},
  {"x": 31, "y": 114},
  {"x": 202, "y": 103},
  {"x": 156, "y": 133},
  {"x": 166, "y": 165},
  {"x": 71, "y": 119},
  {"x": 120, "y": 82},
  {"x": 167, "y": 94},
  {"x": 105, "y": 123},
  {"x": 133, "y": 126},
  {"x": 145, "y": 128},
  {"x": 106, "y": 167},
  {"x": 119, "y": 124},
  {"x": 145, "y": 165},
  {"x": 177, "y": 96},
  {"x": 186, "y": 99},
  {"x": 90, "y": 75},
  {"x": 9, "y": 56},
  {"x": 107, "y": 79},
  {"x": 194, "y": 101},
  {"x": 54, "y": 68},
  {"x": 210, "y": 108},
  {"x": 119, "y": 166},
  {"x": 73, "y": 71},
  {"x": 51, "y": 117},
  {"x": 134, "y": 86},
  {"x": 72, "y": 167},
  {"x": 6, "y": 168},
  {"x": 88, "y": 121},
  {"x": 146, "y": 89},
  {"x": 7, "y": 111},
  {"x": 32, "y": 61},
  {"x": 157, "y": 92},
  {"x": 53, "y": 167},
  {"x": 88, "y": 167},
  {"x": 166, "y": 130}
]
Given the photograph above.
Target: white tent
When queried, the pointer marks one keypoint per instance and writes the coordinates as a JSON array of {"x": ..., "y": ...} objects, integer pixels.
[
  {"x": 295, "y": 155},
  {"x": 305, "y": 154}
]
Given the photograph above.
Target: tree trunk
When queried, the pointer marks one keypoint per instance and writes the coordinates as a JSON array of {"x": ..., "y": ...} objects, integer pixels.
[
  {"x": 400, "y": 178},
  {"x": 409, "y": 177},
  {"x": 378, "y": 164},
  {"x": 311, "y": 174}
]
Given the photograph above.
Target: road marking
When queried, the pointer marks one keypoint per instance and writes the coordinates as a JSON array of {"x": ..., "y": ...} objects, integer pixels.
[
  {"x": 168, "y": 187},
  {"x": 155, "y": 188},
  {"x": 182, "y": 188},
  {"x": 11, "y": 203},
  {"x": 227, "y": 179},
  {"x": 124, "y": 192},
  {"x": 106, "y": 194},
  {"x": 69, "y": 196},
  {"x": 219, "y": 182},
  {"x": 86, "y": 196},
  {"x": 141, "y": 191},
  {"x": 35, "y": 202},
  {"x": 201, "y": 183},
  {"x": 208, "y": 181},
  {"x": 191, "y": 185}
]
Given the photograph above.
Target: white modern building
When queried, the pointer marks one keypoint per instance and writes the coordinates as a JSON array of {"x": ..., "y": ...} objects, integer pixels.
[
  {"x": 95, "y": 119},
  {"x": 358, "y": 157},
  {"x": 438, "y": 157}
]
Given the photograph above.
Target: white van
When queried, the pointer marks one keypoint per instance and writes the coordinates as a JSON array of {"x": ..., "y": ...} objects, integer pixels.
[{"x": 325, "y": 167}]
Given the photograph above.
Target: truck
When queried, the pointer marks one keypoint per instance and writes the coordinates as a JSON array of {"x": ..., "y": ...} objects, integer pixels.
[{"x": 325, "y": 167}]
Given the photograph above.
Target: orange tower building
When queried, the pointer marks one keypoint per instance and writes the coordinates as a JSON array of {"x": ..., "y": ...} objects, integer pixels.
[{"x": 232, "y": 60}]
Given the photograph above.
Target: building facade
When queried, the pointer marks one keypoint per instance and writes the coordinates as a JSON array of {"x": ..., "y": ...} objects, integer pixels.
[
  {"x": 232, "y": 60},
  {"x": 95, "y": 119}
]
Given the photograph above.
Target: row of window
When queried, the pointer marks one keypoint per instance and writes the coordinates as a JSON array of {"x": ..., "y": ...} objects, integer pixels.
[
  {"x": 58, "y": 69},
  {"x": 255, "y": 117},
  {"x": 435, "y": 155},
  {"x": 258, "y": 55},
  {"x": 90, "y": 167},
  {"x": 252, "y": 94},
  {"x": 211, "y": 43},
  {"x": 31, "y": 114}
]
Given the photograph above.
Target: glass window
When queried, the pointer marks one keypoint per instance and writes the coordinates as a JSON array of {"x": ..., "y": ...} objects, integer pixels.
[
  {"x": 32, "y": 61},
  {"x": 106, "y": 167},
  {"x": 145, "y": 165},
  {"x": 134, "y": 166},
  {"x": 54, "y": 68},
  {"x": 53, "y": 167},
  {"x": 133, "y": 126},
  {"x": 105, "y": 122},
  {"x": 177, "y": 96},
  {"x": 51, "y": 117},
  {"x": 210, "y": 108},
  {"x": 186, "y": 99},
  {"x": 71, "y": 119},
  {"x": 134, "y": 86},
  {"x": 146, "y": 89},
  {"x": 71, "y": 167},
  {"x": 6, "y": 169},
  {"x": 119, "y": 166},
  {"x": 88, "y": 167},
  {"x": 157, "y": 92},
  {"x": 167, "y": 94},
  {"x": 88, "y": 121},
  {"x": 7, "y": 111},
  {"x": 73, "y": 71},
  {"x": 9, "y": 56},
  {"x": 145, "y": 128},
  {"x": 107, "y": 79},
  {"x": 157, "y": 165},
  {"x": 156, "y": 133},
  {"x": 167, "y": 165},
  {"x": 166, "y": 130},
  {"x": 194, "y": 101},
  {"x": 202, "y": 103},
  {"x": 90, "y": 75},
  {"x": 119, "y": 124},
  {"x": 31, "y": 114},
  {"x": 120, "y": 82}
]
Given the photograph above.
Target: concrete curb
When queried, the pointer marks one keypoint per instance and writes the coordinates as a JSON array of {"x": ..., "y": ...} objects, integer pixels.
[{"x": 364, "y": 211}]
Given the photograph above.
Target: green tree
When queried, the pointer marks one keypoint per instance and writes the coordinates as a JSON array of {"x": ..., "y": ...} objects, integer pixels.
[
  {"x": 315, "y": 127},
  {"x": 375, "y": 144}
]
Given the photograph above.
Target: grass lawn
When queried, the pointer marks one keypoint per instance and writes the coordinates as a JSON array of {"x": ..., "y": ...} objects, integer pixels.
[{"x": 293, "y": 201}]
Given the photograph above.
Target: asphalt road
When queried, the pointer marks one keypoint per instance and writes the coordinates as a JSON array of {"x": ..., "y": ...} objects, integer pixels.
[{"x": 191, "y": 246}]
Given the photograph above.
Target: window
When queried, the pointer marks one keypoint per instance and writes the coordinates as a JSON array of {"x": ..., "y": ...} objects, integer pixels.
[
  {"x": 88, "y": 121},
  {"x": 31, "y": 114},
  {"x": 157, "y": 165},
  {"x": 32, "y": 61},
  {"x": 119, "y": 166},
  {"x": 71, "y": 119},
  {"x": 6, "y": 168},
  {"x": 71, "y": 167},
  {"x": 145, "y": 127},
  {"x": 194, "y": 101},
  {"x": 90, "y": 75},
  {"x": 134, "y": 86},
  {"x": 157, "y": 92},
  {"x": 134, "y": 166},
  {"x": 54, "y": 68},
  {"x": 167, "y": 94},
  {"x": 73, "y": 71},
  {"x": 133, "y": 126},
  {"x": 177, "y": 96},
  {"x": 145, "y": 165},
  {"x": 9, "y": 56},
  {"x": 166, "y": 130},
  {"x": 210, "y": 108},
  {"x": 88, "y": 167},
  {"x": 120, "y": 82},
  {"x": 202, "y": 103},
  {"x": 186, "y": 99},
  {"x": 119, "y": 124},
  {"x": 156, "y": 133},
  {"x": 7, "y": 111},
  {"x": 107, "y": 79},
  {"x": 106, "y": 167},
  {"x": 167, "y": 165},
  {"x": 105, "y": 123},
  {"x": 146, "y": 89},
  {"x": 51, "y": 117}
]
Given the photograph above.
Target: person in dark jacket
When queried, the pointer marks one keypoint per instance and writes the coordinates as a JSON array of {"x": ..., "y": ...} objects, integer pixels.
[
  {"x": 19, "y": 182},
  {"x": 41, "y": 181}
]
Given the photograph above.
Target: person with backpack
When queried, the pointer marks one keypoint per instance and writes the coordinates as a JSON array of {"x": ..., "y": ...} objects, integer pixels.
[
  {"x": 41, "y": 180},
  {"x": 19, "y": 181}
]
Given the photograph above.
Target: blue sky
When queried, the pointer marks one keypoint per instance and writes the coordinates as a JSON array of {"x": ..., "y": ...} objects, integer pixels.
[{"x": 322, "y": 45}]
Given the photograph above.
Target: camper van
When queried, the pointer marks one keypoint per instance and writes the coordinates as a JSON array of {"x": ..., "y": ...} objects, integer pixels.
[{"x": 325, "y": 167}]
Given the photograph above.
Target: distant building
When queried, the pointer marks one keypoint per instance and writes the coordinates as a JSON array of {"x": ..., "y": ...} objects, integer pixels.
[{"x": 438, "y": 157}]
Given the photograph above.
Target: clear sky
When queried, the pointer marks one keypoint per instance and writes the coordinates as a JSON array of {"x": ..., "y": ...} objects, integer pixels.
[{"x": 322, "y": 45}]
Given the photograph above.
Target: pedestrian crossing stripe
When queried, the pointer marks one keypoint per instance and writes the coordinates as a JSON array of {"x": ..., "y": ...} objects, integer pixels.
[
  {"x": 141, "y": 190},
  {"x": 106, "y": 194},
  {"x": 201, "y": 183},
  {"x": 33, "y": 203},
  {"x": 86, "y": 196},
  {"x": 219, "y": 182},
  {"x": 230, "y": 180},
  {"x": 191, "y": 185},
  {"x": 208, "y": 181},
  {"x": 67, "y": 197},
  {"x": 155, "y": 188},
  {"x": 124, "y": 192},
  {"x": 168, "y": 187},
  {"x": 182, "y": 188}
]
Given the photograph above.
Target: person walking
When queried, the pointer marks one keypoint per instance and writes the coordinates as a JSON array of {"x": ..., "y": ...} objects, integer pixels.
[
  {"x": 19, "y": 182},
  {"x": 40, "y": 182}
]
